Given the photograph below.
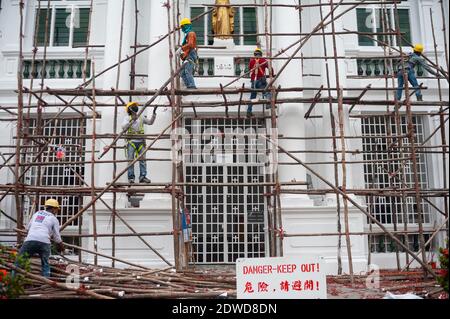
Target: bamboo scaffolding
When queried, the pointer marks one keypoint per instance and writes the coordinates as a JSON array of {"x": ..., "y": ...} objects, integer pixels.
[
  {"x": 373, "y": 219},
  {"x": 441, "y": 116},
  {"x": 343, "y": 186},
  {"x": 334, "y": 145},
  {"x": 412, "y": 141},
  {"x": 178, "y": 248},
  {"x": 116, "y": 102},
  {"x": 19, "y": 132},
  {"x": 390, "y": 166},
  {"x": 37, "y": 144},
  {"x": 93, "y": 194}
]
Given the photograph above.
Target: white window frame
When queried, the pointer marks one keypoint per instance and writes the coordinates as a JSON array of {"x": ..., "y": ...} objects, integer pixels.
[
  {"x": 427, "y": 181},
  {"x": 73, "y": 5},
  {"x": 373, "y": 15},
  {"x": 431, "y": 213},
  {"x": 47, "y": 171}
]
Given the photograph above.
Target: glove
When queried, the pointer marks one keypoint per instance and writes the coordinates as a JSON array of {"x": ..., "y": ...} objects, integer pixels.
[
  {"x": 179, "y": 52},
  {"x": 60, "y": 247}
]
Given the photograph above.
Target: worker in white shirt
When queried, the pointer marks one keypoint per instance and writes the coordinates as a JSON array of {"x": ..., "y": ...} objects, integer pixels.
[
  {"x": 43, "y": 226},
  {"x": 136, "y": 145}
]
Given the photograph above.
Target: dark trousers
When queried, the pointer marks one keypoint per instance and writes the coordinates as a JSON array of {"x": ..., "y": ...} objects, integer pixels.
[
  {"x": 411, "y": 76},
  {"x": 134, "y": 149},
  {"x": 36, "y": 247},
  {"x": 260, "y": 83}
]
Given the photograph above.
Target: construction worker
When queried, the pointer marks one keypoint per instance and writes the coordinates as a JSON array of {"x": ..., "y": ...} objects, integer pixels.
[
  {"x": 136, "y": 145},
  {"x": 413, "y": 59},
  {"x": 258, "y": 66},
  {"x": 42, "y": 226},
  {"x": 188, "y": 53}
]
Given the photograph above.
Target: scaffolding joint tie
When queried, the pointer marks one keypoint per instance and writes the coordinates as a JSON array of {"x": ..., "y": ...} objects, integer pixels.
[{"x": 281, "y": 231}]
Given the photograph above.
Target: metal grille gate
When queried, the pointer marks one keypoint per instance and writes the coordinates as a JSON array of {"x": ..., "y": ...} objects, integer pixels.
[
  {"x": 67, "y": 132},
  {"x": 377, "y": 175},
  {"x": 228, "y": 221}
]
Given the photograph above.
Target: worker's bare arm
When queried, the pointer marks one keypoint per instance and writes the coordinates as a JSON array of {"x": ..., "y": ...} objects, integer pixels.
[{"x": 56, "y": 235}]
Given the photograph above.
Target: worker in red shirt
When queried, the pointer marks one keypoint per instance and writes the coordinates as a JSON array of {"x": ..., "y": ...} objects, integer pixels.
[{"x": 258, "y": 66}]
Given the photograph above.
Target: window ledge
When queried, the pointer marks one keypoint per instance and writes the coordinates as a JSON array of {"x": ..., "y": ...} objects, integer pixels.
[
  {"x": 55, "y": 53},
  {"x": 363, "y": 51}
]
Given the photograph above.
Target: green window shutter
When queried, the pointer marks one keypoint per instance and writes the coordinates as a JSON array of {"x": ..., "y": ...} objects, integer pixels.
[
  {"x": 40, "y": 32},
  {"x": 198, "y": 26},
  {"x": 249, "y": 25},
  {"x": 81, "y": 26},
  {"x": 363, "y": 17},
  {"x": 237, "y": 25},
  {"x": 62, "y": 28},
  {"x": 209, "y": 30},
  {"x": 383, "y": 19},
  {"x": 405, "y": 27}
]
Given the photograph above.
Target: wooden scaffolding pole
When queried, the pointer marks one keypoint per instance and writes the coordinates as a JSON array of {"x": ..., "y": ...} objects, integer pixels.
[
  {"x": 334, "y": 144},
  {"x": 19, "y": 132}
]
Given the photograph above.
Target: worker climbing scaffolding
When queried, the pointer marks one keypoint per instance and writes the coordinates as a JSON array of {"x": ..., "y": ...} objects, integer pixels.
[
  {"x": 258, "y": 66},
  {"x": 135, "y": 145},
  {"x": 413, "y": 60},
  {"x": 188, "y": 53}
]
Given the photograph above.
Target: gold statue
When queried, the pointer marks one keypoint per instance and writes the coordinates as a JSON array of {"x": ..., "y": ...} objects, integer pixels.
[{"x": 223, "y": 20}]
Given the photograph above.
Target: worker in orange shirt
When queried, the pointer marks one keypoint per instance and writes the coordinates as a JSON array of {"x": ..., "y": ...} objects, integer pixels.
[{"x": 188, "y": 54}]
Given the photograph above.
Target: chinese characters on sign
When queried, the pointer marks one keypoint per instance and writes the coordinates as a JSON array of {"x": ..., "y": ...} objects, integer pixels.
[{"x": 280, "y": 277}]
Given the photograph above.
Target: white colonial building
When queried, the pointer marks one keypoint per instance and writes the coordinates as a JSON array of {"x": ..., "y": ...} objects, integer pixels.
[{"x": 228, "y": 221}]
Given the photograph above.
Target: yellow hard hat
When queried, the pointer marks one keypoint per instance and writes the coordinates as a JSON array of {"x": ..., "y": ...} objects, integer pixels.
[
  {"x": 258, "y": 50},
  {"x": 51, "y": 203},
  {"x": 130, "y": 104},
  {"x": 185, "y": 21},
  {"x": 418, "y": 48}
]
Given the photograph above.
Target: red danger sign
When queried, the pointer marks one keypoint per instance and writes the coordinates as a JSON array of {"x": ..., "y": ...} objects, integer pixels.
[{"x": 280, "y": 277}]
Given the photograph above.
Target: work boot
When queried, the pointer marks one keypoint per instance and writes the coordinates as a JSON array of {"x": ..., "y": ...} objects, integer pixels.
[
  {"x": 420, "y": 98},
  {"x": 249, "y": 114},
  {"x": 131, "y": 181},
  {"x": 144, "y": 180}
]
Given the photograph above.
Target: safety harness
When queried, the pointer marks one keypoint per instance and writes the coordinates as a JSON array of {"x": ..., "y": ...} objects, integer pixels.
[
  {"x": 141, "y": 131},
  {"x": 195, "y": 63}
]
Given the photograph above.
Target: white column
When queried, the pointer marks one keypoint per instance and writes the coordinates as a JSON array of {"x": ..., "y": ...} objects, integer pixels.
[
  {"x": 328, "y": 171},
  {"x": 422, "y": 10},
  {"x": 104, "y": 172},
  {"x": 158, "y": 73},
  {"x": 291, "y": 116}
]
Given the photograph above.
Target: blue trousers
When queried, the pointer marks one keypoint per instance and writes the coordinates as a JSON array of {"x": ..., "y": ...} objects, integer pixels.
[
  {"x": 259, "y": 84},
  {"x": 42, "y": 249},
  {"x": 187, "y": 72},
  {"x": 412, "y": 79},
  {"x": 132, "y": 153}
]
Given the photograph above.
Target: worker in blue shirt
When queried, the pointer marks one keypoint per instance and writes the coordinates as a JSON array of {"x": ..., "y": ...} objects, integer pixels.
[{"x": 413, "y": 59}]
